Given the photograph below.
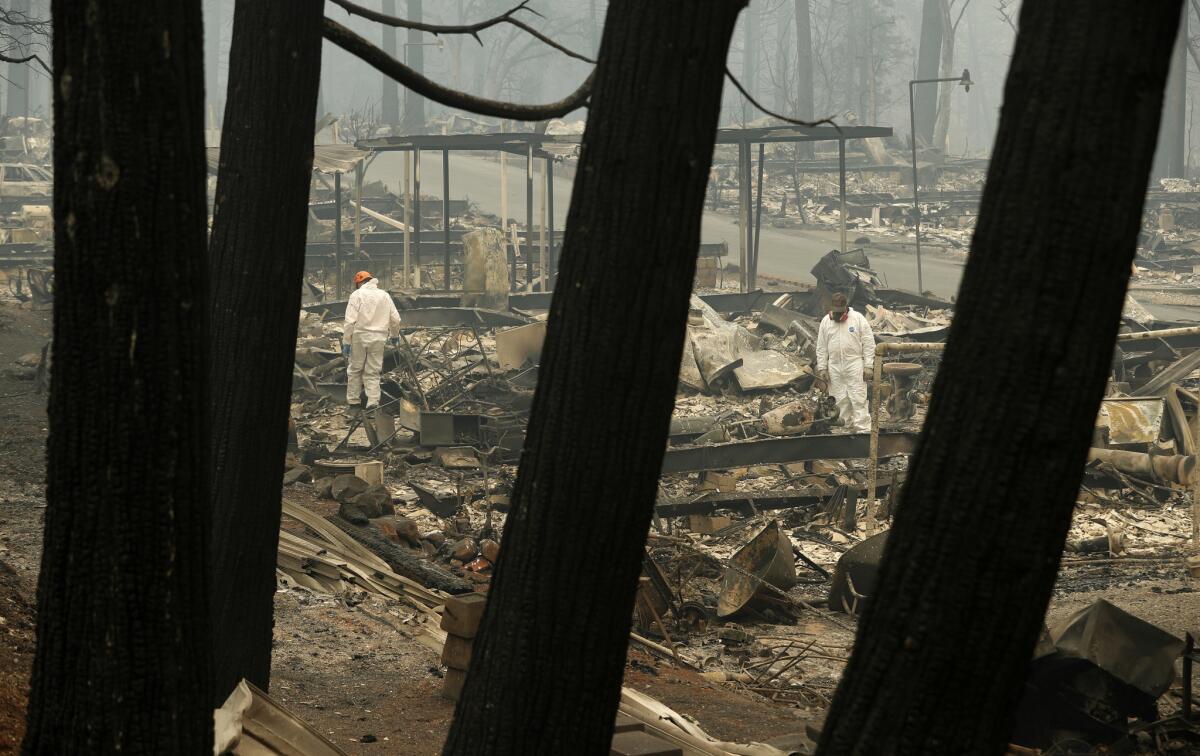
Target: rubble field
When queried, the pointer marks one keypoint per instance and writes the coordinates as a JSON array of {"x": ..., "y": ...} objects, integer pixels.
[{"x": 768, "y": 527}]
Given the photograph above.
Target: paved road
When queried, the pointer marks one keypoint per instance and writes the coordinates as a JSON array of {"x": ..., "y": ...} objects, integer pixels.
[{"x": 785, "y": 253}]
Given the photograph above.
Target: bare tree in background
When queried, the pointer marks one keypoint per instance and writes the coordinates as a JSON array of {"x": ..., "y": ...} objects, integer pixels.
[{"x": 951, "y": 13}]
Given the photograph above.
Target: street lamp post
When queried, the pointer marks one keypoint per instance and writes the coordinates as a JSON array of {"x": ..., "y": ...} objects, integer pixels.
[{"x": 965, "y": 81}]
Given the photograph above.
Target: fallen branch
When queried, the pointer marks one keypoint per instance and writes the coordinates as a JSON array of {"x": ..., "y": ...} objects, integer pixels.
[{"x": 389, "y": 66}]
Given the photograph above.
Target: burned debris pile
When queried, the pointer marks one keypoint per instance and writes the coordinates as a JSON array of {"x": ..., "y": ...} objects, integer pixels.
[{"x": 772, "y": 514}]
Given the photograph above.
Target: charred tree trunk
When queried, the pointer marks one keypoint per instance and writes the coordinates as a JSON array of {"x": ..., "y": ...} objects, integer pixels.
[
  {"x": 256, "y": 265},
  {"x": 805, "y": 103},
  {"x": 548, "y": 663},
  {"x": 17, "y": 105},
  {"x": 122, "y": 650},
  {"x": 945, "y": 90},
  {"x": 928, "y": 64},
  {"x": 943, "y": 647},
  {"x": 401, "y": 560}
]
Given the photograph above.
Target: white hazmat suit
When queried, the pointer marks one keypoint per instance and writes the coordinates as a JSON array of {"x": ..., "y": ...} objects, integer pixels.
[
  {"x": 846, "y": 348},
  {"x": 371, "y": 317}
]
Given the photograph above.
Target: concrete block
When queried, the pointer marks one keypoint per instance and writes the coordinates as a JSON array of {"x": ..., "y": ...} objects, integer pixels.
[
  {"x": 462, "y": 614},
  {"x": 708, "y": 524},
  {"x": 456, "y": 654}
]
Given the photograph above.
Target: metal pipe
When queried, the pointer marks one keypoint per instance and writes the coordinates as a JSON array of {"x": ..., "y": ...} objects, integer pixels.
[
  {"x": 407, "y": 218},
  {"x": 529, "y": 217},
  {"x": 504, "y": 219},
  {"x": 358, "y": 185},
  {"x": 842, "y": 190},
  {"x": 416, "y": 203},
  {"x": 543, "y": 261},
  {"x": 446, "y": 217},
  {"x": 337, "y": 228},
  {"x": 912, "y": 137},
  {"x": 1165, "y": 333},
  {"x": 743, "y": 212},
  {"x": 550, "y": 214},
  {"x": 912, "y": 119},
  {"x": 757, "y": 219},
  {"x": 1164, "y": 468}
]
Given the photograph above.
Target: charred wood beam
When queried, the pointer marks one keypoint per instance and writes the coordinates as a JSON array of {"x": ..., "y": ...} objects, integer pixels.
[
  {"x": 401, "y": 560},
  {"x": 749, "y": 502},
  {"x": 783, "y": 450}
]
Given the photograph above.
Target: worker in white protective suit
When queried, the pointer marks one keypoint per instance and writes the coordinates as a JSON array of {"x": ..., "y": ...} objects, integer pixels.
[
  {"x": 371, "y": 318},
  {"x": 845, "y": 359}
]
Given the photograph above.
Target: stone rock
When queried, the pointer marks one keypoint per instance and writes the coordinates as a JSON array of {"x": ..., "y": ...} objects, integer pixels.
[
  {"x": 436, "y": 537},
  {"x": 323, "y": 486},
  {"x": 346, "y": 487},
  {"x": 465, "y": 550},
  {"x": 489, "y": 549},
  {"x": 298, "y": 474},
  {"x": 479, "y": 565},
  {"x": 407, "y": 530},
  {"x": 376, "y": 501},
  {"x": 354, "y": 513},
  {"x": 31, "y": 360},
  {"x": 387, "y": 526},
  {"x": 19, "y": 373}
]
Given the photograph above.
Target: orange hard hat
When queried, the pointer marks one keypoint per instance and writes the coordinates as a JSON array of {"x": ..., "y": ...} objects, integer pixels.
[{"x": 362, "y": 277}]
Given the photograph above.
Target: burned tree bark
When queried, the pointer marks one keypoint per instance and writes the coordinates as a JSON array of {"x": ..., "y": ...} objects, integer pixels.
[
  {"x": 547, "y": 665},
  {"x": 805, "y": 103},
  {"x": 944, "y": 644},
  {"x": 256, "y": 269},
  {"x": 928, "y": 62},
  {"x": 122, "y": 651}
]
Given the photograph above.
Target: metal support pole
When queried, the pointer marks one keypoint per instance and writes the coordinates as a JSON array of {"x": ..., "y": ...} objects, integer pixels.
[
  {"x": 842, "y": 190},
  {"x": 876, "y": 397},
  {"x": 743, "y": 212},
  {"x": 407, "y": 218},
  {"x": 757, "y": 217},
  {"x": 509, "y": 253},
  {"x": 337, "y": 229},
  {"x": 446, "y": 217},
  {"x": 544, "y": 259},
  {"x": 529, "y": 216},
  {"x": 912, "y": 120},
  {"x": 416, "y": 222},
  {"x": 358, "y": 185},
  {"x": 550, "y": 215}
]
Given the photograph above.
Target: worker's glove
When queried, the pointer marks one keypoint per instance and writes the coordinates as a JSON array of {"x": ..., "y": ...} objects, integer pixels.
[
  {"x": 823, "y": 377},
  {"x": 868, "y": 375},
  {"x": 346, "y": 351}
]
